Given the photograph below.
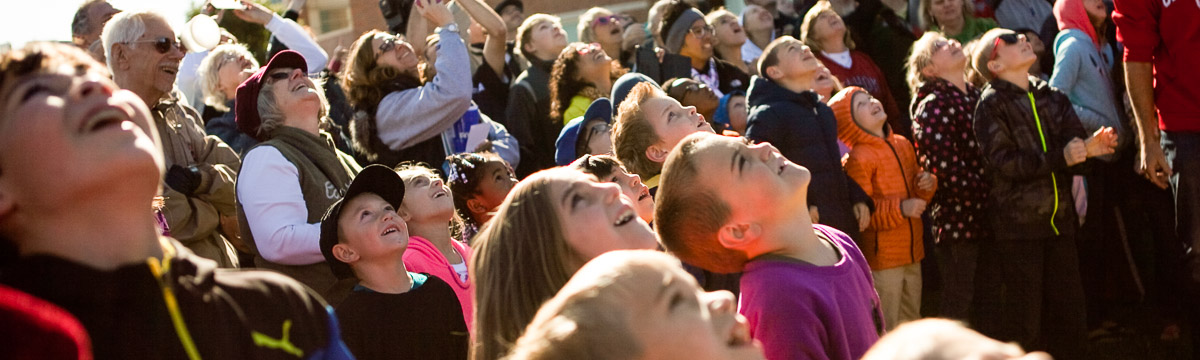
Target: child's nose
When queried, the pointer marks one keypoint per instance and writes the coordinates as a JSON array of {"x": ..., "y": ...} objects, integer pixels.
[{"x": 721, "y": 301}]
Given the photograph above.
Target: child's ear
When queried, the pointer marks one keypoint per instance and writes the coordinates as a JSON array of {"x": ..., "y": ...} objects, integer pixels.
[
  {"x": 995, "y": 67},
  {"x": 404, "y": 214},
  {"x": 657, "y": 154},
  {"x": 476, "y": 206},
  {"x": 773, "y": 72},
  {"x": 927, "y": 71},
  {"x": 738, "y": 235},
  {"x": 344, "y": 253}
]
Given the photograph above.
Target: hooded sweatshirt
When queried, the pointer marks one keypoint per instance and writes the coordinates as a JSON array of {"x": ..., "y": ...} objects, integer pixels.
[
  {"x": 805, "y": 132},
  {"x": 146, "y": 310},
  {"x": 1081, "y": 70},
  {"x": 886, "y": 169},
  {"x": 1165, "y": 33},
  {"x": 422, "y": 257}
]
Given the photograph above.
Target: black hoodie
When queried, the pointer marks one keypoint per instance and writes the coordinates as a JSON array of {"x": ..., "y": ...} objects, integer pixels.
[
  {"x": 227, "y": 314},
  {"x": 805, "y": 132}
]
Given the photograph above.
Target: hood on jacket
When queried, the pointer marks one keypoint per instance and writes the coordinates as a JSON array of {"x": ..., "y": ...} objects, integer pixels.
[
  {"x": 763, "y": 92},
  {"x": 848, "y": 130},
  {"x": 1071, "y": 15}
]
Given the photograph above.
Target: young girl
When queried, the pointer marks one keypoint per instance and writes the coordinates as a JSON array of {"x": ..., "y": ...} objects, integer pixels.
[
  {"x": 608, "y": 169},
  {"x": 582, "y": 73},
  {"x": 827, "y": 35},
  {"x": 637, "y": 304},
  {"x": 480, "y": 182},
  {"x": 943, "y": 109},
  {"x": 728, "y": 39},
  {"x": 528, "y": 251},
  {"x": 599, "y": 25},
  {"x": 428, "y": 209}
]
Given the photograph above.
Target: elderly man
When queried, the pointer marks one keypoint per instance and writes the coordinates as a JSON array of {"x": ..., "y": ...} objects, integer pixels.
[
  {"x": 89, "y": 20},
  {"x": 143, "y": 55}
]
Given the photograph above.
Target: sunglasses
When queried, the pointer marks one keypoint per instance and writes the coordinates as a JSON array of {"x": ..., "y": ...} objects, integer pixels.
[
  {"x": 588, "y": 49},
  {"x": 276, "y": 76},
  {"x": 163, "y": 44},
  {"x": 1009, "y": 39},
  {"x": 388, "y": 44},
  {"x": 702, "y": 31},
  {"x": 605, "y": 20}
]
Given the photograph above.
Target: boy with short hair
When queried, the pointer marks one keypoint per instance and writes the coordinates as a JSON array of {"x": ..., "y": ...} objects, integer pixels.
[
  {"x": 392, "y": 313},
  {"x": 649, "y": 123},
  {"x": 785, "y": 112},
  {"x": 1032, "y": 142},
  {"x": 729, "y": 206}
]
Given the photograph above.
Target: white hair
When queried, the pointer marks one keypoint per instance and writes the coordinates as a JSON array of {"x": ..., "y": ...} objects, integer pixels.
[
  {"x": 125, "y": 27},
  {"x": 210, "y": 68}
]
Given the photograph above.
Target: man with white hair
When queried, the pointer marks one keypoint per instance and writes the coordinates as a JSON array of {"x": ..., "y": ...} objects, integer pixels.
[{"x": 143, "y": 55}]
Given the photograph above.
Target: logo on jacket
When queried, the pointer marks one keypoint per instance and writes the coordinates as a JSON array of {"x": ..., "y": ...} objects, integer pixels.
[{"x": 332, "y": 192}]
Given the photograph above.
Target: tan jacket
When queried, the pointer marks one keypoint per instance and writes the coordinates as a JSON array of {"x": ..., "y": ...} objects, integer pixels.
[{"x": 196, "y": 221}]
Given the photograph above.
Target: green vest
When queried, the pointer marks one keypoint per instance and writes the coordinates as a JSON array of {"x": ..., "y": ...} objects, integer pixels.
[{"x": 324, "y": 173}]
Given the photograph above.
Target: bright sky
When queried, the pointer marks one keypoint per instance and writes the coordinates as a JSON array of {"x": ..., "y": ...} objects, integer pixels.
[{"x": 22, "y": 21}]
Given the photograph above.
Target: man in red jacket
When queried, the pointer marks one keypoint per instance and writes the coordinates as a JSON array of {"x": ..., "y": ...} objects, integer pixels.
[{"x": 1161, "y": 38}]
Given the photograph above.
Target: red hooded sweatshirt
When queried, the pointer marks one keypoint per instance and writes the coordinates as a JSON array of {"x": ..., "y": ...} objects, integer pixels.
[
  {"x": 422, "y": 257},
  {"x": 1167, "y": 34}
]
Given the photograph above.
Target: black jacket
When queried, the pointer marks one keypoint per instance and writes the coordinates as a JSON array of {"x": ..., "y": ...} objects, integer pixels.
[
  {"x": 229, "y": 314},
  {"x": 1030, "y": 182},
  {"x": 805, "y": 132},
  {"x": 678, "y": 66},
  {"x": 528, "y": 118}
]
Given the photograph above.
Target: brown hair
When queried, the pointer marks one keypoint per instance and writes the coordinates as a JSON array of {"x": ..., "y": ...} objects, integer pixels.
[
  {"x": 525, "y": 32},
  {"x": 365, "y": 82},
  {"x": 602, "y": 166},
  {"x": 521, "y": 258},
  {"x": 688, "y": 215},
  {"x": 770, "y": 56},
  {"x": 981, "y": 53},
  {"x": 38, "y": 58},
  {"x": 566, "y": 82},
  {"x": 809, "y": 24},
  {"x": 632, "y": 133}
]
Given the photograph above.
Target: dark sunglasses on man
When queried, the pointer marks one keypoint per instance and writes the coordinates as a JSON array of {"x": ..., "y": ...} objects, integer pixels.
[{"x": 163, "y": 44}]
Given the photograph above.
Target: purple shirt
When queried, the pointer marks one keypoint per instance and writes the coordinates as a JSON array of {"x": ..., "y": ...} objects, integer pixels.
[{"x": 802, "y": 311}]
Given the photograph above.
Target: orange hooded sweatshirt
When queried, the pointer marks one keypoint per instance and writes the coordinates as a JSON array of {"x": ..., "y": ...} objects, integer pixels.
[{"x": 886, "y": 168}]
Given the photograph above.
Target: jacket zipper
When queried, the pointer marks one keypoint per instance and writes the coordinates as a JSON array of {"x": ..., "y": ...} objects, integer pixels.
[
  {"x": 1053, "y": 179},
  {"x": 912, "y": 251}
]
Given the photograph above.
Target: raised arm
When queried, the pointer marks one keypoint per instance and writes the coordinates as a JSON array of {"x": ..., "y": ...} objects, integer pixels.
[{"x": 497, "y": 33}]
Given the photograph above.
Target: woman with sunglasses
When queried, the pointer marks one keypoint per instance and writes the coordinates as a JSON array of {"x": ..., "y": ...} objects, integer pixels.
[
  {"x": 397, "y": 118},
  {"x": 601, "y": 26},
  {"x": 582, "y": 73}
]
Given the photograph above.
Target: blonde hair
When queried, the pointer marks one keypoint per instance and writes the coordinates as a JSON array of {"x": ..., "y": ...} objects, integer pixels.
[
  {"x": 525, "y": 31},
  {"x": 581, "y": 322},
  {"x": 210, "y": 68},
  {"x": 521, "y": 258},
  {"x": 920, "y": 57},
  {"x": 981, "y": 53},
  {"x": 810, "y": 23},
  {"x": 586, "y": 35}
]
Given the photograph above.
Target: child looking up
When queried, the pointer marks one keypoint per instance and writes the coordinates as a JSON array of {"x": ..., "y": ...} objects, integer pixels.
[
  {"x": 550, "y": 225},
  {"x": 806, "y": 289},
  {"x": 479, "y": 182},
  {"x": 649, "y": 123},
  {"x": 391, "y": 312},
  {"x": 1032, "y": 142},
  {"x": 636, "y": 304},
  {"x": 786, "y": 113},
  {"x": 607, "y": 168},
  {"x": 428, "y": 209},
  {"x": 885, "y": 165}
]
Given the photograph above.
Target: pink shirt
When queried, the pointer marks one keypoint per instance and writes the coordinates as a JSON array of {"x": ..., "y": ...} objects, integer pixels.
[{"x": 423, "y": 257}]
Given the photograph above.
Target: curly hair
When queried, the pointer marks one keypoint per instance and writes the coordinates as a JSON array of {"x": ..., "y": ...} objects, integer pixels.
[
  {"x": 464, "y": 173},
  {"x": 566, "y": 82}
]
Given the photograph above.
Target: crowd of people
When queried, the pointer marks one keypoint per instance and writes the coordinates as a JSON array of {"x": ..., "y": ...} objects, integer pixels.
[{"x": 783, "y": 183}]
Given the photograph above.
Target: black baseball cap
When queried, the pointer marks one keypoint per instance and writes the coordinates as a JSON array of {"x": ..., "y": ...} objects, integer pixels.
[
  {"x": 506, "y": 3},
  {"x": 376, "y": 179}
]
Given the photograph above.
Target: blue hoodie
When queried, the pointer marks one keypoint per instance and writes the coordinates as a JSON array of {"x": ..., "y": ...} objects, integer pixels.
[{"x": 1081, "y": 70}]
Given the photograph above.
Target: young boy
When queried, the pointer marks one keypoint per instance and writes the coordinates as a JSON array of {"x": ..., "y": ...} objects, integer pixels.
[
  {"x": 1031, "y": 141},
  {"x": 884, "y": 164},
  {"x": 728, "y": 206},
  {"x": 649, "y": 123},
  {"x": 392, "y": 313},
  {"x": 79, "y": 214},
  {"x": 785, "y": 112}
]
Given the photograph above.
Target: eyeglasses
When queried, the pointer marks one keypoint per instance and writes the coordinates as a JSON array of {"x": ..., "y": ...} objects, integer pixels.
[
  {"x": 162, "y": 44},
  {"x": 388, "y": 44},
  {"x": 702, "y": 31},
  {"x": 1009, "y": 39},
  {"x": 588, "y": 49},
  {"x": 605, "y": 20}
]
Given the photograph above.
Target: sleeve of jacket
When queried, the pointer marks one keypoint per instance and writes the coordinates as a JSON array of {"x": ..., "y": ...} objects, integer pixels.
[
  {"x": 934, "y": 150},
  {"x": 1001, "y": 150},
  {"x": 503, "y": 143},
  {"x": 296, "y": 38},
  {"x": 909, "y": 156},
  {"x": 408, "y": 117},
  {"x": 1071, "y": 128},
  {"x": 1137, "y": 28},
  {"x": 521, "y": 110},
  {"x": 197, "y": 217},
  {"x": 863, "y": 171},
  {"x": 228, "y": 132}
]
